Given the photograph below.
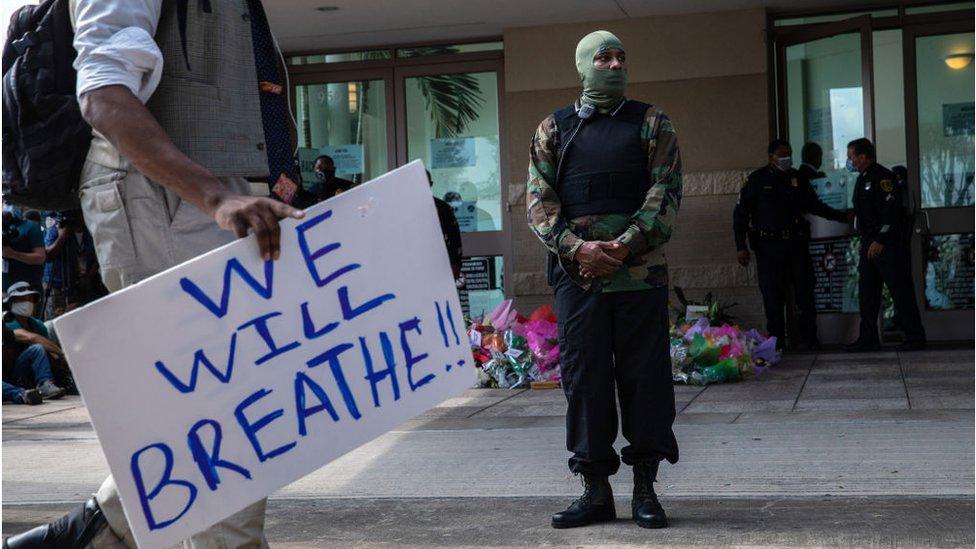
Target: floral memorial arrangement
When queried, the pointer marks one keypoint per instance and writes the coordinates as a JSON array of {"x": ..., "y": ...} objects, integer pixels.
[{"x": 513, "y": 351}]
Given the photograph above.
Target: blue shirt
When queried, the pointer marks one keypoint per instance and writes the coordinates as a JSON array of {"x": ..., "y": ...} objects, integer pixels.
[{"x": 29, "y": 236}]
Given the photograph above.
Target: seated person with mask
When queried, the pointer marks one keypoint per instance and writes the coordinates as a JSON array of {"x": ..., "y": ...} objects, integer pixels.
[{"x": 29, "y": 339}]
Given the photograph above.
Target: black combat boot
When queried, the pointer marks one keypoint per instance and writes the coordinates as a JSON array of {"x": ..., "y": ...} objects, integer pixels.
[
  {"x": 647, "y": 511},
  {"x": 74, "y": 530},
  {"x": 595, "y": 505}
]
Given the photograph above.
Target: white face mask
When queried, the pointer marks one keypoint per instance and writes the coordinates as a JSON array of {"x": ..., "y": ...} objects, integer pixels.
[{"x": 22, "y": 308}]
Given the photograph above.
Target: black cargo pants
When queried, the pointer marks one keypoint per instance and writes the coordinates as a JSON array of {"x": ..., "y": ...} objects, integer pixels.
[
  {"x": 614, "y": 346},
  {"x": 781, "y": 264},
  {"x": 893, "y": 268}
]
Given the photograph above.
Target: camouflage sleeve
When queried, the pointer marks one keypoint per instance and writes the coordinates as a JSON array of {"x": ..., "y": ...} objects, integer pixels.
[
  {"x": 652, "y": 224},
  {"x": 542, "y": 202}
]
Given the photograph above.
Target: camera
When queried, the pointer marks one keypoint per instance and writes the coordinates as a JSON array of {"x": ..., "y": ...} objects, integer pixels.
[{"x": 10, "y": 230}]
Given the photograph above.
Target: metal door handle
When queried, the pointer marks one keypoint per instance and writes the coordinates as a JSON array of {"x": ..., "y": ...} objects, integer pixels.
[{"x": 928, "y": 224}]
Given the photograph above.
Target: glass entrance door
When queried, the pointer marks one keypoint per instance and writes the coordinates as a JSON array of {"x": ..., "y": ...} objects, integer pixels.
[
  {"x": 451, "y": 118},
  {"x": 825, "y": 82},
  {"x": 940, "y": 103},
  {"x": 448, "y": 114},
  {"x": 347, "y": 118}
]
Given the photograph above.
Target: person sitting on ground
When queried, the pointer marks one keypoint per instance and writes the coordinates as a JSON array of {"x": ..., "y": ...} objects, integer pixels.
[
  {"x": 11, "y": 392},
  {"x": 32, "y": 363},
  {"x": 27, "y": 366}
]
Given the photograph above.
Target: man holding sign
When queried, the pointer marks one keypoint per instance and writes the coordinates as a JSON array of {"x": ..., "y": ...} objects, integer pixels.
[{"x": 180, "y": 121}]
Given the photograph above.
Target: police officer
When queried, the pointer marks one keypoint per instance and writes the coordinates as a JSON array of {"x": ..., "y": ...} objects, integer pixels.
[
  {"x": 885, "y": 255},
  {"x": 770, "y": 212},
  {"x": 602, "y": 195}
]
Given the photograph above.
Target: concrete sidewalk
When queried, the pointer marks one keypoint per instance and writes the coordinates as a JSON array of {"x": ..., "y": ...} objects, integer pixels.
[{"x": 826, "y": 450}]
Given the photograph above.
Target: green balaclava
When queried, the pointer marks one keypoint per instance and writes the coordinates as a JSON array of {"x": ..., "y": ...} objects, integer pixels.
[{"x": 601, "y": 88}]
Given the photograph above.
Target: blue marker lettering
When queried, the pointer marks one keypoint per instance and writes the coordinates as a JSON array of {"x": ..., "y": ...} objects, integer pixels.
[
  {"x": 233, "y": 265},
  {"x": 146, "y": 497},
  {"x": 208, "y": 461},
  {"x": 332, "y": 357},
  {"x": 440, "y": 324},
  {"x": 261, "y": 326},
  {"x": 251, "y": 429},
  {"x": 450, "y": 320},
  {"x": 311, "y": 256},
  {"x": 199, "y": 357},
  {"x": 412, "y": 324},
  {"x": 349, "y": 312},
  {"x": 374, "y": 377},
  {"x": 301, "y": 381},
  {"x": 308, "y": 325}
]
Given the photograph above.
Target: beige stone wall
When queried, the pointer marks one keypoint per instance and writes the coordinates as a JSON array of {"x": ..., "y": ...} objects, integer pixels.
[{"x": 708, "y": 72}]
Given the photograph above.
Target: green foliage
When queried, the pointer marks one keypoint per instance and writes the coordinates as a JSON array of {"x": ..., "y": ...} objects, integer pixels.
[
  {"x": 452, "y": 99},
  {"x": 717, "y": 313}
]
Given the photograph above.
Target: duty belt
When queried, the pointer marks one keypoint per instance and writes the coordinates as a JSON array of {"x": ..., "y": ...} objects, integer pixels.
[{"x": 785, "y": 234}]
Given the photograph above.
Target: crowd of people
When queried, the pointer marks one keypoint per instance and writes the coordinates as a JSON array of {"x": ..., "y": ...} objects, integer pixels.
[
  {"x": 49, "y": 268},
  {"x": 54, "y": 254}
]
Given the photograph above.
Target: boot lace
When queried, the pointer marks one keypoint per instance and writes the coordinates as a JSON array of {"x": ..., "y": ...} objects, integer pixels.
[
  {"x": 589, "y": 491},
  {"x": 644, "y": 483}
]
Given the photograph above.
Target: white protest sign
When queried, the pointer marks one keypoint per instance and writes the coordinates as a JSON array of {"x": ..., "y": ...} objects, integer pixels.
[{"x": 217, "y": 382}]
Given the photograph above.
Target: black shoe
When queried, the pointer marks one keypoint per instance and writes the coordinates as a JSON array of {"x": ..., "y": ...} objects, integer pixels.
[
  {"x": 646, "y": 509},
  {"x": 31, "y": 397},
  {"x": 861, "y": 346},
  {"x": 595, "y": 505},
  {"x": 911, "y": 346},
  {"x": 76, "y": 529}
]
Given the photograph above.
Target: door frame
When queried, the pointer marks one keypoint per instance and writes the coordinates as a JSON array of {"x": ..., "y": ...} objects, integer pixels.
[
  {"x": 932, "y": 221},
  {"x": 481, "y": 242},
  {"x": 832, "y": 326},
  {"x": 350, "y": 75},
  {"x": 808, "y": 33},
  {"x": 394, "y": 73}
]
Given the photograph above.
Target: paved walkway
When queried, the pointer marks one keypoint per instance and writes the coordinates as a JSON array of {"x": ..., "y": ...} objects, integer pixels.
[{"x": 826, "y": 450}]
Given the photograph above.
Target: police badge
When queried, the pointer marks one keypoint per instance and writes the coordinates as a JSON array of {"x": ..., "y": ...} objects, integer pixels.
[{"x": 886, "y": 185}]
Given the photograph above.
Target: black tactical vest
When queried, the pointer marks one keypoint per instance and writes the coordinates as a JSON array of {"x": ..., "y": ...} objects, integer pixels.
[{"x": 602, "y": 169}]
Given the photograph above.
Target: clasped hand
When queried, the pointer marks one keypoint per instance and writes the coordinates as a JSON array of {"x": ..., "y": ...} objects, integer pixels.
[{"x": 597, "y": 258}]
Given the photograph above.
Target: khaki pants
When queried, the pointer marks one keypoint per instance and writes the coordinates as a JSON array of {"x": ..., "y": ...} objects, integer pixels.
[{"x": 141, "y": 229}]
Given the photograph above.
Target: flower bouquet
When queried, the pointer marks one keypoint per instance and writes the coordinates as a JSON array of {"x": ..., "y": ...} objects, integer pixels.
[{"x": 511, "y": 351}]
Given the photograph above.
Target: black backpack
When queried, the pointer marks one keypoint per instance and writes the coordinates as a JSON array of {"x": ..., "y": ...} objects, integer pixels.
[{"x": 45, "y": 138}]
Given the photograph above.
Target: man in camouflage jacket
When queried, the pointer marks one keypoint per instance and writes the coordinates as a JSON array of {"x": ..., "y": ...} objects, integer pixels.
[{"x": 603, "y": 191}]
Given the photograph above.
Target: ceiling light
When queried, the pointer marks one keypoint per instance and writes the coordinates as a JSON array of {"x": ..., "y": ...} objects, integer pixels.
[{"x": 958, "y": 61}]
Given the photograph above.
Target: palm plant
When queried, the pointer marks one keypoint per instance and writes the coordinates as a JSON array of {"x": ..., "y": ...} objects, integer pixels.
[{"x": 452, "y": 99}]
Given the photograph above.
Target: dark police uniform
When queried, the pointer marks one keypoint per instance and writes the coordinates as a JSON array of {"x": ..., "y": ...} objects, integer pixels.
[
  {"x": 879, "y": 211},
  {"x": 611, "y": 341},
  {"x": 770, "y": 212}
]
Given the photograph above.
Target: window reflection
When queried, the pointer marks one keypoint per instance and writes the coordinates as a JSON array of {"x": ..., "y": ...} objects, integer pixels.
[{"x": 945, "y": 121}]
